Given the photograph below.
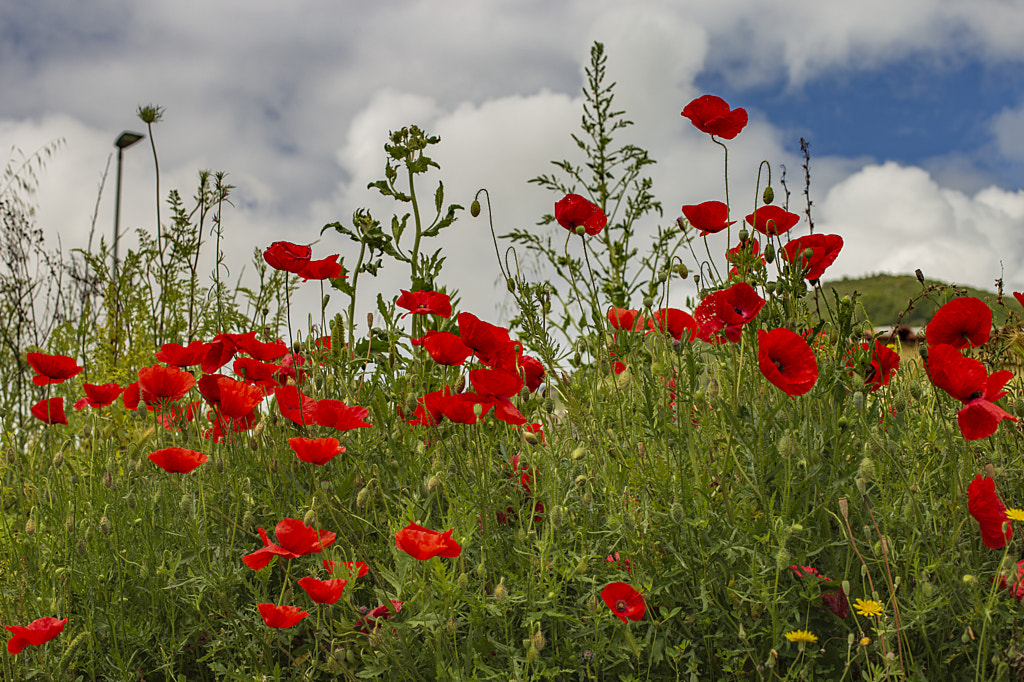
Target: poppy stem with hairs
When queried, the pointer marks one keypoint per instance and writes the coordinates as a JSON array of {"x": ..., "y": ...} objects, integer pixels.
[{"x": 725, "y": 150}]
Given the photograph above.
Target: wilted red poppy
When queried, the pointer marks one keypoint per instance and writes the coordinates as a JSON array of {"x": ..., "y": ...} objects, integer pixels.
[
  {"x": 712, "y": 115},
  {"x": 280, "y": 616},
  {"x": 726, "y": 311},
  {"x": 36, "y": 633},
  {"x": 499, "y": 385},
  {"x": 353, "y": 569},
  {"x": 963, "y": 322},
  {"x": 884, "y": 362},
  {"x": 627, "y": 320},
  {"x": 100, "y": 395},
  {"x": 422, "y": 543},
  {"x": 444, "y": 348},
  {"x": 425, "y": 303},
  {"x": 327, "y": 268},
  {"x": 287, "y": 256},
  {"x": 824, "y": 251},
  {"x": 675, "y": 322},
  {"x": 317, "y": 451},
  {"x": 989, "y": 511},
  {"x": 967, "y": 380},
  {"x": 624, "y": 601},
  {"x": 52, "y": 369},
  {"x": 772, "y": 220},
  {"x": 833, "y": 597},
  {"x": 159, "y": 384},
  {"x": 572, "y": 211},
  {"x": 336, "y": 415},
  {"x": 183, "y": 356},
  {"x": 50, "y": 411},
  {"x": 371, "y": 620},
  {"x": 176, "y": 460},
  {"x": 323, "y": 591},
  {"x": 708, "y": 217},
  {"x": 294, "y": 539},
  {"x": 489, "y": 341},
  {"x": 786, "y": 360}
]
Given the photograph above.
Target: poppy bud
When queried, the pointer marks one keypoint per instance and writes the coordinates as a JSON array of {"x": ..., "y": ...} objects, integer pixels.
[
  {"x": 588, "y": 498},
  {"x": 580, "y": 230},
  {"x": 557, "y": 517},
  {"x": 858, "y": 401},
  {"x": 460, "y": 385},
  {"x": 782, "y": 558},
  {"x": 696, "y": 280},
  {"x": 531, "y": 438},
  {"x": 481, "y": 571},
  {"x": 539, "y": 641},
  {"x": 769, "y": 252},
  {"x": 768, "y": 196},
  {"x": 510, "y": 284},
  {"x": 30, "y": 527},
  {"x": 474, "y": 208},
  {"x": 787, "y": 445},
  {"x": 532, "y": 654},
  {"x": 549, "y": 405},
  {"x": 500, "y": 591},
  {"x": 247, "y": 520},
  {"x": 677, "y": 513},
  {"x": 682, "y": 271},
  {"x": 648, "y": 301},
  {"x": 524, "y": 393},
  {"x": 866, "y": 470},
  {"x": 681, "y": 222},
  {"x": 583, "y": 566},
  {"x": 310, "y": 517},
  {"x": 363, "y": 497},
  {"x": 463, "y": 581},
  {"x": 662, "y": 277},
  {"x": 104, "y": 525},
  {"x": 433, "y": 482},
  {"x": 58, "y": 459},
  {"x": 744, "y": 235},
  {"x": 187, "y": 505}
]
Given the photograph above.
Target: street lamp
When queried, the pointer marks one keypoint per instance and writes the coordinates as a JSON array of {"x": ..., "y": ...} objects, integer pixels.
[{"x": 123, "y": 141}]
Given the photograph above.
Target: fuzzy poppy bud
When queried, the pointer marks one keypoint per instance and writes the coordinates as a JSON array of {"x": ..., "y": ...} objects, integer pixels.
[
  {"x": 682, "y": 271},
  {"x": 30, "y": 527},
  {"x": 531, "y": 438},
  {"x": 58, "y": 459},
  {"x": 677, "y": 513},
  {"x": 539, "y": 641},
  {"x": 743, "y": 235},
  {"x": 866, "y": 470},
  {"x": 433, "y": 482},
  {"x": 510, "y": 284},
  {"x": 648, "y": 301},
  {"x": 580, "y": 230},
  {"x": 858, "y": 401},
  {"x": 583, "y": 566},
  {"x": 532, "y": 654},
  {"x": 500, "y": 591},
  {"x": 310, "y": 517},
  {"x": 549, "y": 405},
  {"x": 463, "y": 581},
  {"x": 557, "y": 517},
  {"x": 363, "y": 497},
  {"x": 187, "y": 505},
  {"x": 247, "y": 520},
  {"x": 579, "y": 453},
  {"x": 787, "y": 445},
  {"x": 782, "y": 558},
  {"x": 769, "y": 252},
  {"x": 768, "y": 196},
  {"x": 474, "y": 208},
  {"x": 104, "y": 525},
  {"x": 481, "y": 571}
]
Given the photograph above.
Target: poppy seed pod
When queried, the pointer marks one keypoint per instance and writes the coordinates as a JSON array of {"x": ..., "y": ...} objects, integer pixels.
[{"x": 744, "y": 236}]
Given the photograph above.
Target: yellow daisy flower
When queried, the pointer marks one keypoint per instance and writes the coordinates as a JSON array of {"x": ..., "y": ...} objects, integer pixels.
[
  {"x": 869, "y": 608},
  {"x": 1015, "y": 514},
  {"x": 802, "y": 637}
]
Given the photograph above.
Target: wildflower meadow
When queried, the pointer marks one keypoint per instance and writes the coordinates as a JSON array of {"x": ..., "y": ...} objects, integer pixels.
[{"x": 617, "y": 482}]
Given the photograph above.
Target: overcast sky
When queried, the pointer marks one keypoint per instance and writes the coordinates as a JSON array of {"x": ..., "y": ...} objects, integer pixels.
[{"x": 914, "y": 111}]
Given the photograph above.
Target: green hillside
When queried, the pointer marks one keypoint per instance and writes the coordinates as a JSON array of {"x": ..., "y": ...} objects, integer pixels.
[{"x": 884, "y": 297}]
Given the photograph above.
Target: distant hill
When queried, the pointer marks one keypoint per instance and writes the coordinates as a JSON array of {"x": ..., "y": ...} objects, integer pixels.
[{"x": 884, "y": 297}]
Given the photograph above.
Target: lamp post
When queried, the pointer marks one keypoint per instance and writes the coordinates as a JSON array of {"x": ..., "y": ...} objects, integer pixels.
[{"x": 123, "y": 141}]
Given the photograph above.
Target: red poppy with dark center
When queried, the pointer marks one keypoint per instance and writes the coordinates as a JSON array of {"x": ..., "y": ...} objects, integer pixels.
[
  {"x": 624, "y": 601},
  {"x": 317, "y": 451},
  {"x": 499, "y": 385},
  {"x": 183, "y": 356},
  {"x": 177, "y": 460},
  {"x": 712, "y": 115},
  {"x": 287, "y": 256},
  {"x": 963, "y": 322},
  {"x": 489, "y": 341},
  {"x": 989, "y": 511},
  {"x": 824, "y": 251},
  {"x": 253, "y": 371},
  {"x": 159, "y": 384},
  {"x": 572, "y": 211},
  {"x": 100, "y": 395},
  {"x": 336, "y": 415},
  {"x": 884, "y": 362},
  {"x": 422, "y": 543},
  {"x": 425, "y": 303},
  {"x": 294, "y": 405},
  {"x": 709, "y": 217},
  {"x": 626, "y": 320},
  {"x": 786, "y": 360},
  {"x": 294, "y": 539},
  {"x": 36, "y": 633},
  {"x": 726, "y": 311},
  {"x": 444, "y": 348},
  {"x": 675, "y": 322},
  {"x": 327, "y": 268},
  {"x": 52, "y": 369},
  {"x": 967, "y": 380},
  {"x": 280, "y": 616},
  {"x": 50, "y": 411},
  {"x": 323, "y": 591},
  {"x": 771, "y": 220}
]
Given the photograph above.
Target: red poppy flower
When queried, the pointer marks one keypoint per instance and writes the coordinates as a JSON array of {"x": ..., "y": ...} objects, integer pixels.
[
  {"x": 287, "y": 256},
  {"x": 425, "y": 302},
  {"x": 36, "y": 633},
  {"x": 1017, "y": 586},
  {"x": 52, "y": 369},
  {"x": 676, "y": 322},
  {"x": 989, "y": 511},
  {"x": 352, "y": 569},
  {"x": 327, "y": 268},
  {"x": 291, "y": 368},
  {"x": 772, "y": 220},
  {"x": 100, "y": 395},
  {"x": 159, "y": 384},
  {"x": 526, "y": 473},
  {"x": 962, "y": 322},
  {"x": 708, "y": 217},
  {"x": 489, "y": 341},
  {"x": 967, "y": 380},
  {"x": 336, "y": 415},
  {"x": 461, "y": 407},
  {"x": 824, "y": 250},
  {"x": 627, "y": 320},
  {"x": 294, "y": 405},
  {"x": 219, "y": 352},
  {"x": 712, "y": 115},
  {"x": 323, "y": 591},
  {"x": 50, "y": 411},
  {"x": 183, "y": 356},
  {"x": 884, "y": 362},
  {"x": 294, "y": 539},
  {"x": 572, "y": 211},
  {"x": 280, "y": 616},
  {"x": 253, "y": 371},
  {"x": 537, "y": 429},
  {"x": 1020, "y": 299},
  {"x": 532, "y": 371},
  {"x": 176, "y": 460},
  {"x": 264, "y": 352},
  {"x": 833, "y": 597},
  {"x": 130, "y": 396},
  {"x": 371, "y": 620},
  {"x": 428, "y": 409},
  {"x": 726, "y": 311},
  {"x": 444, "y": 348},
  {"x": 317, "y": 451},
  {"x": 237, "y": 399},
  {"x": 422, "y": 543},
  {"x": 624, "y": 601},
  {"x": 786, "y": 360},
  {"x": 499, "y": 385}
]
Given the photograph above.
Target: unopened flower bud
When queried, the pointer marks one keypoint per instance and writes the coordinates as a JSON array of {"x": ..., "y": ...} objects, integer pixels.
[
  {"x": 866, "y": 470},
  {"x": 500, "y": 591},
  {"x": 782, "y": 558},
  {"x": 524, "y": 393},
  {"x": 648, "y": 301},
  {"x": 474, "y": 208},
  {"x": 769, "y": 252},
  {"x": 481, "y": 571},
  {"x": 768, "y": 196},
  {"x": 549, "y": 405},
  {"x": 744, "y": 235},
  {"x": 539, "y": 641},
  {"x": 580, "y": 230},
  {"x": 463, "y": 581},
  {"x": 682, "y": 271},
  {"x": 58, "y": 459},
  {"x": 532, "y": 654},
  {"x": 363, "y": 497},
  {"x": 858, "y": 401},
  {"x": 557, "y": 517},
  {"x": 579, "y": 453},
  {"x": 104, "y": 525},
  {"x": 433, "y": 482},
  {"x": 30, "y": 527},
  {"x": 677, "y": 513},
  {"x": 309, "y": 518},
  {"x": 187, "y": 505},
  {"x": 510, "y": 284},
  {"x": 582, "y": 566}
]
